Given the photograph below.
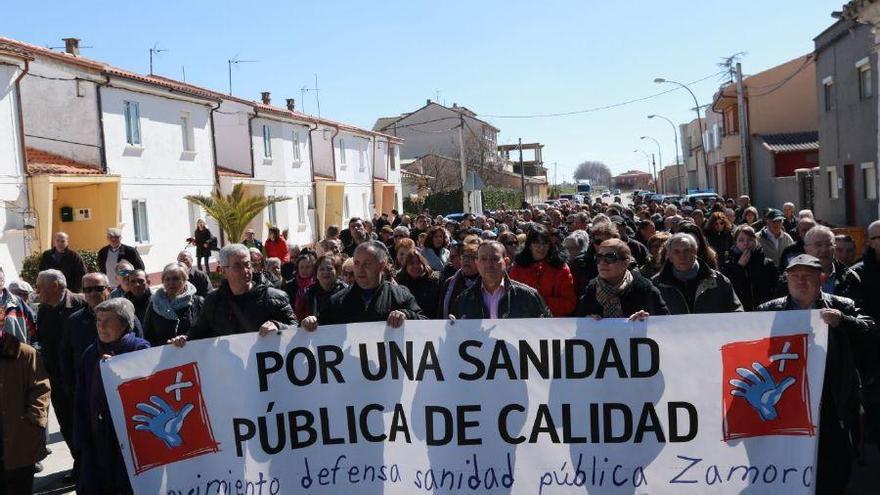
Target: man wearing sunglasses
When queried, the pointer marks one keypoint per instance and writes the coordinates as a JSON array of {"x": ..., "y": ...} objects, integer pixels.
[{"x": 115, "y": 251}]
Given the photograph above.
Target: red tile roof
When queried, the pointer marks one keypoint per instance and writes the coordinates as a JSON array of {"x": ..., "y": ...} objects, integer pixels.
[
  {"x": 47, "y": 52},
  {"x": 163, "y": 82},
  {"x": 228, "y": 172},
  {"x": 42, "y": 162}
]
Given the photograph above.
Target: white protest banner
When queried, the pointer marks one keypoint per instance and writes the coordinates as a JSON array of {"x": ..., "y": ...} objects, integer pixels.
[{"x": 681, "y": 404}]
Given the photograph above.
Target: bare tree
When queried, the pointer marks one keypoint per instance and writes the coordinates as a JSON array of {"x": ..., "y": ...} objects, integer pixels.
[{"x": 596, "y": 172}]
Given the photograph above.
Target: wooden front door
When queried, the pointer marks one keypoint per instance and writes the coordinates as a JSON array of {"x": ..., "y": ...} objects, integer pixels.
[
  {"x": 731, "y": 180},
  {"x": 849, "y": 189}
]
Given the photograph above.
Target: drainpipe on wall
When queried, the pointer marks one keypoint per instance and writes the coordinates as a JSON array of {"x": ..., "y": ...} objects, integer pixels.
[
  {"x": 214, "y": 144},
  {"x": 375, "y": 142},
  {"x": 333, "y": 150},
  {"x": 251, "y": 139},
  {"x": 27, "y": 192},
  {"x": 103, "y": 147},
  {"x": 314, "y": 184}
]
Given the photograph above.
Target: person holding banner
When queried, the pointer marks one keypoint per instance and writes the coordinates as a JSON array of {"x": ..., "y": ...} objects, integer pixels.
[
  {"x": 495, "y": 295},
  {"x": 239, "y": 305},
  {"x": 619, "y": 292},
  {"x": 689, "y": 285},
  {"x": 372, "y": 297},
  {"x": 103, "y": 469},
  {"x": 849, "y": 330}
]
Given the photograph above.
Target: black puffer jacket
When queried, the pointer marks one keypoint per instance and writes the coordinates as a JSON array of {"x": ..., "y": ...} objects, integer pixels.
[
  {"x": 640, "y": 295},
  {"x": 714, "y": 292},
  {"x": 866, "y": 292},
  {"x": 519, "y": 301},
  {"x": 158, "y": 329},
  {"x": 425, "y": 289},
  {"x": 317, "y": 299},
  {"x": 259, "y": 305},
  {"x": 840, "y": 391},
  {"x": 756, "y": 282},
  {"x": 348, "y": 306}
]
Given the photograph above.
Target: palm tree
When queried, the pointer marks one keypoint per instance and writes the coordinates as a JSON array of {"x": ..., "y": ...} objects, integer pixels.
[{"x": 234, "y": 211}]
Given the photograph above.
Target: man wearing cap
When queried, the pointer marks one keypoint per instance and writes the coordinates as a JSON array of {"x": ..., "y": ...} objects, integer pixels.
[
  {"x": 114, "y": 252},
  {"x": 849, "y": 330},
  {"x": 773, "y": 238},
  {"x": 252, "y": 242}
]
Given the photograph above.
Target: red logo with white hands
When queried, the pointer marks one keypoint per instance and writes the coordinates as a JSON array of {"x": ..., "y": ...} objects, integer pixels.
[{"x": 166, "y": 417}]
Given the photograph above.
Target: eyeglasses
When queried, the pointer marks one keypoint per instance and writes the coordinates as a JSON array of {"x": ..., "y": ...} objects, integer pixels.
[
  {"x": 123, "y": 273},
  {"x": 607, "y": 258},
  {"x": 95, "y": 288}
]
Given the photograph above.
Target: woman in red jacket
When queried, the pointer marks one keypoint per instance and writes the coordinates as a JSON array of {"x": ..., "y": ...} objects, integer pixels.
[
  {"x": 540, "y": 265},
  {"x": 276, "y": 245}
]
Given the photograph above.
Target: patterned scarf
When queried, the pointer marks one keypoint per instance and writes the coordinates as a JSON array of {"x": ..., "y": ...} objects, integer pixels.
[{"x": 609, "y": 295}]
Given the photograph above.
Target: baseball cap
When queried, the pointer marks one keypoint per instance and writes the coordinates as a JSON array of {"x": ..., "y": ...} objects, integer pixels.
[
  {"x": 804, "y": 260},
  {"x": 773, "y": 214}
]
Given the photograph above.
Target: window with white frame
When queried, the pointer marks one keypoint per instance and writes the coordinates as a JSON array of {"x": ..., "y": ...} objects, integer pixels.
[
  {"x": 362, "y": 156},
  {"x": 832, "y": 182},
  {"x": 272, "y": 213},
  {"x": 342, "y": 153},
  {"x": 301, "y": 209},
  {"x": 139, "y": 220},
  {"x": 267, "y": 142},
  {"x": 296, "y": 152},
  {"x": 866, "y": 88},
  {"x": 869, "y": 178},
  {"x": 392, "y": 153},
  {"x": 186, "y": 132},
  {"x": 828, "y": 94},
  {"x": 132, "y": 123}
]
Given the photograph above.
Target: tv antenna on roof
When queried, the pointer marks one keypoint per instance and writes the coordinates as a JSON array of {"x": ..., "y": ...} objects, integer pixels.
[
  {"x": 303, "y": 90},
  {"x": 235, "y": 61},
  {"x": 155, "y": 49}
]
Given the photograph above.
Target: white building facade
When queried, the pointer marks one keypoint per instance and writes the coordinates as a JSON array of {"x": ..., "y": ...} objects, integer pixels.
[{"x": 13, "y": 193}]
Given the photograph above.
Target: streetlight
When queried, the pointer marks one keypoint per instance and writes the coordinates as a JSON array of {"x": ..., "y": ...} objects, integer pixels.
[
  {"x": 677, "y": 157},
  {"x": 647, "y": 157},
  {"x": 657, "y": 182},
  {"x": 660, "y": 80}
]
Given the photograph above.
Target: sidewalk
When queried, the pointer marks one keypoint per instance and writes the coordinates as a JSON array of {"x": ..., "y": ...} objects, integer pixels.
[{"x": 59, "y": 462}]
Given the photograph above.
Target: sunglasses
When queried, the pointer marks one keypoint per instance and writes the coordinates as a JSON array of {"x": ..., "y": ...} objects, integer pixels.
[
  {"x": 123, "y": 273},
  {"x": 96, "y": 288},
  {"x": 607, "y": 258}
]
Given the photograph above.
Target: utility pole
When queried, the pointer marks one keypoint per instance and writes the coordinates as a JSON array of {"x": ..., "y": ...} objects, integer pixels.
[
  {"x": 654, "y": 164},
  {"x": 744, "y": 135},
  {"x": 522, "y": 170},
  {"x": 555, "y": 181},
  {"x": 153, "y": 50},
  {"x": 461, "y": 159}
]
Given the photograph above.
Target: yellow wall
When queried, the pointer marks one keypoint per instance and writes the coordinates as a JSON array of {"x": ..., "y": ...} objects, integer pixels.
[
  {"x": 101, "y": 194},
  {"x": 329, "y": 203}
]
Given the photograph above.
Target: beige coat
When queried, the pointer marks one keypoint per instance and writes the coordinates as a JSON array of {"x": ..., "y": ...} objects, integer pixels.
[{"x": 24, "y": 409}]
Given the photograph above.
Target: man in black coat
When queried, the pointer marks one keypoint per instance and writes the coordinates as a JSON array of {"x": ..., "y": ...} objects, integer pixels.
[
  {"x": 371, "y": 297},
  {"x": 848, "y": 330},
  {"x": 68, "y": 261},
  {"x": 495, "y": 295},
  {"x": 57, "y": 303},
  {"x": 114, "y": 252},
  {"x": 239, "y": 305}
]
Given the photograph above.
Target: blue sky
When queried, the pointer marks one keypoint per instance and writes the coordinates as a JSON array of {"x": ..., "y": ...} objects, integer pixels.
[{"x": 496, "y": 57}]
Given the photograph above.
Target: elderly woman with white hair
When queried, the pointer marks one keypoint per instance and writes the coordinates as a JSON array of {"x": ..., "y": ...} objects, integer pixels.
[
  {"x": 174, "y": 308},
  {"x": 102, "y": 468}
]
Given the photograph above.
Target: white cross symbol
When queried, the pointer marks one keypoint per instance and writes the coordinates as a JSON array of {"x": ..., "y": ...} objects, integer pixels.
[
  {"x": 178, "y": 385},
  {"x": 784, "y": 356}
]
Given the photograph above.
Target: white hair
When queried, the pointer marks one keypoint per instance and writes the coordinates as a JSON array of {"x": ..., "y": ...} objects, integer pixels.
[
  {"x": 273, "y": 263},
  {"x": 817, "y": 231},
  {"x": 805, "y": 214},
  {"x": 51, "y": 276},
  {"x": 103, "y": 278},
  {"x": 114, "y": 232},
  {"x": 121, "y": 307},
  {"x": 227, "y": 251},
  {"x": 681, "y": 238},
  {"x": 175, "y": 267}
]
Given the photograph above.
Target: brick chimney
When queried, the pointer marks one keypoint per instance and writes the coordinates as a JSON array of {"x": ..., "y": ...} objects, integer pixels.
[
  {"x": 267, "y": 98},
  {"x": 291, "y": 104},
  {"x": 71, "y": 46},
  {"x": 429, "y": 101}
]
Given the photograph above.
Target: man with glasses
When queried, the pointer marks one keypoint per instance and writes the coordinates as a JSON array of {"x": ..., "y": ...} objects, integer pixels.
[
  {"x": 114, "y": 252},
  {"x": 239, "y": 305}
]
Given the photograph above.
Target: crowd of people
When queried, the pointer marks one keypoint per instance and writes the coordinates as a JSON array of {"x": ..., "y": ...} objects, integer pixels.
[{"x": 593, "y": 260}]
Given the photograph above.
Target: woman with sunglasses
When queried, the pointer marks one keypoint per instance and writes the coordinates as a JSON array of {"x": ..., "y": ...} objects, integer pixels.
[
  {"x": 540, "y": 265},
  {"x": 619, "y": 292}
]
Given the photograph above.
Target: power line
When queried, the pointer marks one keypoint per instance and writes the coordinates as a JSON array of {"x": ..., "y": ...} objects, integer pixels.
[
  {"x": 784, "y": 81},
  {"x": 596, "y": 109}
]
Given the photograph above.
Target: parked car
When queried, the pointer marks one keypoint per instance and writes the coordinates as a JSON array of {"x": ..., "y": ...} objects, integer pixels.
[
  {"x": 655, "y": 197},
  {"x": 606, "y": 194},
  {"x": 706, "y": 197},
  {"x": 455, "y": 217},
  {"x": 616, "y": 192}
]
